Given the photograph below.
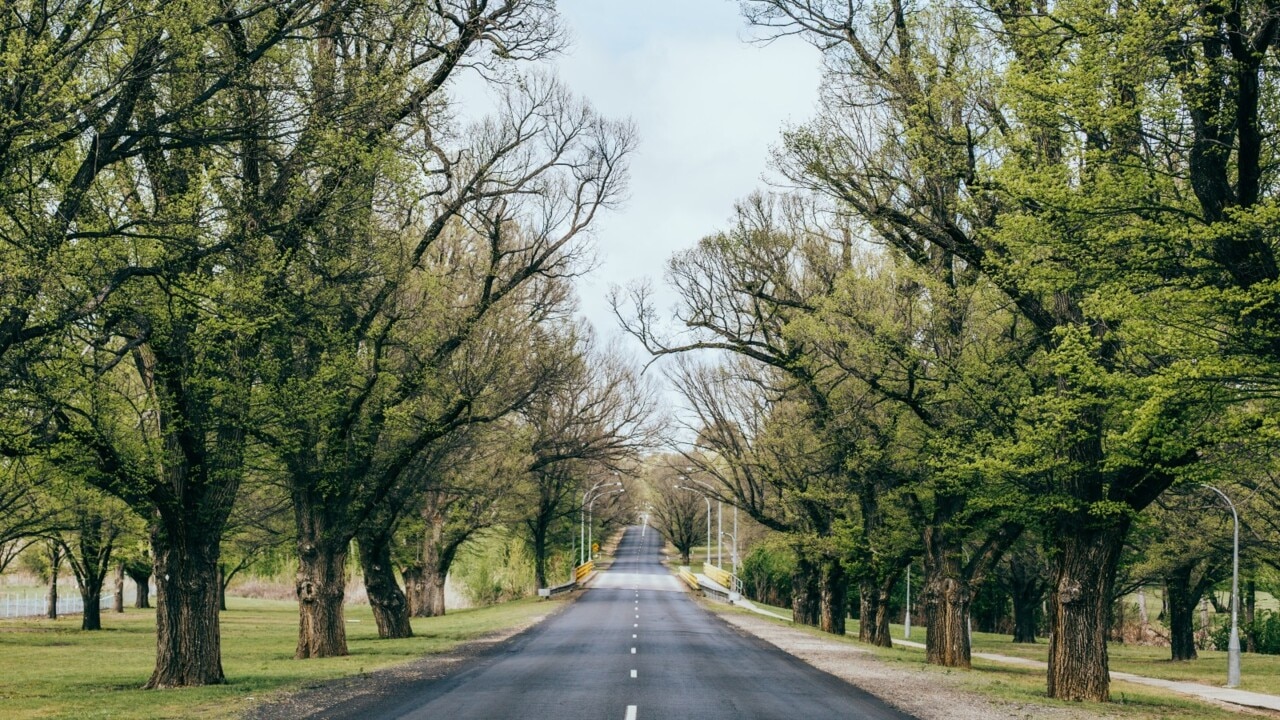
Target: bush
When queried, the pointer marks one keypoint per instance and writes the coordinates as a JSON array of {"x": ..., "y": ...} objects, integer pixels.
[
  {"x": 766, "y": 575},
  {"x": 494, "y": 568},
  {"x": 1265, "y": 630}
]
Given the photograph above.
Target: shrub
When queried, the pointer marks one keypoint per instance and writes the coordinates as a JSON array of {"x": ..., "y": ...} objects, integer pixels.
[
  {"x": 766, "y": 575},
  {"x": 1265, "y": 629}
]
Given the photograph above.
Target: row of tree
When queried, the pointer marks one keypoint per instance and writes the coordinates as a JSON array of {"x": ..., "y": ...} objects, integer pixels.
[
  {"x": 252, "y": 260},
  {"x": 1024, "y": 285}
]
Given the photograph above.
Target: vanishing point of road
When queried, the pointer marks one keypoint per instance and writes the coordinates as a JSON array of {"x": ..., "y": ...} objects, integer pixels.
[{"x": 633, "y": 647}]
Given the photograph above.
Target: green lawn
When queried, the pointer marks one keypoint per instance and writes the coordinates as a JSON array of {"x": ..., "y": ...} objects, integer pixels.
[{"x": 54, "y": 670}]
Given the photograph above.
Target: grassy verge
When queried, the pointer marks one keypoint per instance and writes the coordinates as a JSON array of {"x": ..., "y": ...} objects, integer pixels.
[
  {"x": 54, "y": 670},
  {"x": 1026, "y": 685}
]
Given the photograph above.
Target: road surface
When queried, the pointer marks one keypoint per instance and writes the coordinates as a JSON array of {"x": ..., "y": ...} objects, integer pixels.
[{"x": 633, "y": 647}]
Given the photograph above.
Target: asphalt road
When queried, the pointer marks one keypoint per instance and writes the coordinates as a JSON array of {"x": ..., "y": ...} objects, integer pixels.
[{"x": 634, "y": 647}]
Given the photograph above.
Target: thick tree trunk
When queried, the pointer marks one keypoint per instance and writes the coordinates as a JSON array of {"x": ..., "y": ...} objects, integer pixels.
[
  {"x": 142, "y": 589},
  {"x": 390, "y": 607},
  {"x": 188, "y": 639},
  {"x": 117, "y": 604},
  {"x": 1080, "y": 601},
  {"x": 1027, "y": 596},
  {"x": 436, "y": 560},
  {"x": 91, "y": 619},
  {"x": 881, "y": 635},
  {"x": 868, "y": 609},
  {"x": 833, "y": 592},
  {"x": 413, "y": 591},
  {"x": 946, "y": 602},
  {"x": 1182, "y": 607},
  {"x": 321, "y": 589},
  {"x": 804, "y": 592},
  {"x": 946, "y": 596},
  {"x": 222, "y": 587},
  {"x": 540, "y": 556}
]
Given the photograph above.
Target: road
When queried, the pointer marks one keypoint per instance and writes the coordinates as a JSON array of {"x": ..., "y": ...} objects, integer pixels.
[{"x": 634, "y": 647}]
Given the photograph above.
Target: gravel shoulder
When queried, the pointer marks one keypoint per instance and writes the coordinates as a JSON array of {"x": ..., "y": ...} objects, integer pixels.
[{"x": 927, "y": 693}]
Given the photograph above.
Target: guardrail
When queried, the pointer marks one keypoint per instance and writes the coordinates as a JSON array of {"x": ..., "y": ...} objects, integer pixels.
[
  {"x": 722, "y": 577},
  {"x": 583, "y": 570},
  {"x": 580, "y": 572},
  {"x": 689, "y": 578}
]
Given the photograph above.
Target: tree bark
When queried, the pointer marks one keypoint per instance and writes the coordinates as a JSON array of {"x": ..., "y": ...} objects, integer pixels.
[
  {"x": 833, "y": 591},
  {"x": 804, "y": 592},
  {"x": 188, "y": 638},
  {"x": 91, "y": 618},
  {"x": 390, "y": 606},
  {"x": 55, "y": 561},
  {"x": 881, "y": 635},
  {"x": 1079, "y": 605},
  {"x": 539, "y": 533},
  {"x": 321, "y": 590},
  {"x": 117, "y": 604},
  {"x": 142, "y": 588},
  {"x": 946, "y": 602},
  {"x": 222, "y": 587},
  {"x": 1182, "y": 606}
]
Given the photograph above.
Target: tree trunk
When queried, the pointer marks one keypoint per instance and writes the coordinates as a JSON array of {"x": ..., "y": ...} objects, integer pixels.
[
  {"x": 1027, "y": 594},
  {"x": 946, "y": 602},
  {"x": 833, "y": 592},
  {"x": 540, "y": 555},
  {"x": 413, "y": 590},
  {"x": 436, "y": 560},
  {"x": 222, "y": 587},
  {"x": 55, "y": 561},
  {"x": 91, "y": 618},
  {"x": 882, "y": 635},
  {"x": 188, "y": 639},
  {"x": 142, "y": 589},
  {"x": 1250, "y": 612},
  {"x": 1080, "y": 601},
  {"x": 117, "y": 604},
  {"x": 321, "y": 589},
  {"x": 804, "y": 592},
  {"x": 390, "y": 607},
  {"x": 868, "y": 608},
  {"x": 1182, "y": 606},
  {"x": 1144, "y": 620}
]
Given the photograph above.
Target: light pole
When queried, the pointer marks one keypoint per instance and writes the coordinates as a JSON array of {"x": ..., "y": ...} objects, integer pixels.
[
  {"x": 582, "y": 523},
  {"x": 906, "y": 624},
  {"x": 719, "y": 521},
  {"x": 1233, "y": 644},
  {"x": 590, "y": 525},
  {"x": 708, "y": 501}
]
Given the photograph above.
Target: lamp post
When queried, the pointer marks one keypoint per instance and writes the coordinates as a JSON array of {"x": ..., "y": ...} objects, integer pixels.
[
  {"x": 1233, "y": 643},
  {"x": 590, "y": 525},
  {"x": 708, "y": 501},
  {"x": 582, "y": 522},
  {"x": 906, "y": 624},
  {"x": 719, "y": 521}
]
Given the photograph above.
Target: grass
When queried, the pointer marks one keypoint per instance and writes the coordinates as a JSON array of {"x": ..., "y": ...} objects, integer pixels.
[
  {"x": 1027, "y": 685},
  {"x": 54, "y": 670}
]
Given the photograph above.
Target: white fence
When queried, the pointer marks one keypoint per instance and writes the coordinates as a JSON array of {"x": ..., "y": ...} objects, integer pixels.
[{"x": 36, "y": 604}]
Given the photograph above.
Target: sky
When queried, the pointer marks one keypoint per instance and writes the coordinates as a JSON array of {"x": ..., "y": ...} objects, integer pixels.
[{"x": 708, "y": 105}]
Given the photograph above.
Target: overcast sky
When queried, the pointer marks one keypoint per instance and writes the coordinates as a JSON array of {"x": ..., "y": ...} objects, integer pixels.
[{"x": 708, "y": 106}]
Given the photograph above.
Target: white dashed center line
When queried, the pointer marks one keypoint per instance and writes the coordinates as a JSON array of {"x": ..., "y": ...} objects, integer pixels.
[
  {"x": 633, "y": 651},
  {"x": 631, "y": 712},
  {"x": 633, "y": 672}
]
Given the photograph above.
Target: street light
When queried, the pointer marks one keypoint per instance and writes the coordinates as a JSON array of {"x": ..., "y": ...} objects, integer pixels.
[
  {"x": 1233, "y": 644},
  {"x": 719, "y": 520},
  {"x": 590, "y": 525},
  {"x": 582, "y": 524},
  {"x": 906, "y": 631},
  {"x": 708, "y": 500}
]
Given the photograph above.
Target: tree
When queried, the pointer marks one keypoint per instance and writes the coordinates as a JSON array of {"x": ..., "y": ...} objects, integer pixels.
[{"x": 675, "y": 512}]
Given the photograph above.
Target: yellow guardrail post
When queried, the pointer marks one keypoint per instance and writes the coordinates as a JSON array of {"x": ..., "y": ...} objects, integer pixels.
[{"x": 583, "y": 570}]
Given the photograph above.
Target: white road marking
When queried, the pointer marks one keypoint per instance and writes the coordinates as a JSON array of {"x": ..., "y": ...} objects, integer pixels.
[
  {"x": 633, "y": 636},
  {"x": 637, "y": 617},
  {"x": 635, "y": 625},
  {"x": 633, "y": 651},
  {"x": 631, "y": 712},
  {"x": 633, "y": 672}
]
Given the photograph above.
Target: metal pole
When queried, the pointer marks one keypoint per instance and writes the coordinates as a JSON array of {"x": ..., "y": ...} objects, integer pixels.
[
  {"x": 719, "y": 534},
  {"x": 906, "y": 630},
  {"x": 735, "y": 540},
  {"x": 708, "y": 501},
  {"x": 1233, "y": 644}
]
